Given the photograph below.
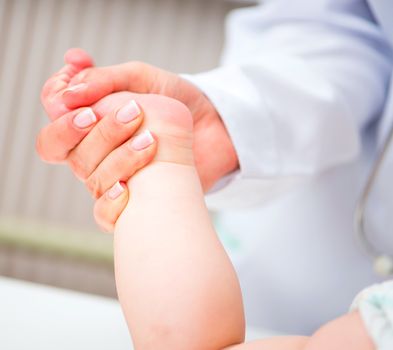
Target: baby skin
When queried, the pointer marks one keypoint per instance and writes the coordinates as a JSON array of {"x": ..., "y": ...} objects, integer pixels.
[
  {"x": 175, "y": 282},
  {"x": 176, "y": 285}
]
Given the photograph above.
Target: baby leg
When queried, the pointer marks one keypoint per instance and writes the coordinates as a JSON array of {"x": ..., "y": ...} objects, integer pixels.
[
  {"x": 176, "y": 285},
  {"x": 175, "y": 282}
]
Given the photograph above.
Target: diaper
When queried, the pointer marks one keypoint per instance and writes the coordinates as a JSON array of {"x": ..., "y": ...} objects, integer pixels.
[{"x": 375, "y": 305}]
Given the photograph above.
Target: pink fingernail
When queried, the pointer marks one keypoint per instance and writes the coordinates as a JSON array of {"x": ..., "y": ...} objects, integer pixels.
[
  {"x": 142, "y": 141},
  {"x": 116, "y": 190},
  {"x": 129, "y": 112},
  {"x": 75, "y": 88},
  {"x": 85, "y": 118}
]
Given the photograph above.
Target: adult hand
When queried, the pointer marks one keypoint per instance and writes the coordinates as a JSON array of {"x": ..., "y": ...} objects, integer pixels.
[
  {"x": 94, "y": 142},
  {"x": 214, "y": 153},
  {"x": 80, "y": 84}
]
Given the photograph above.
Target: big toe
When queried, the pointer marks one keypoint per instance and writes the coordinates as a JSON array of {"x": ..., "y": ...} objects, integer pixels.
[{"x": 78, "y": 58}]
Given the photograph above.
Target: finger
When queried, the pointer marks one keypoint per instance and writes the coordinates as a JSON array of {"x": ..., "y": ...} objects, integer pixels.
[
  {"x": 99, "y": 82},
  {"x": 111, "y": 132},
  {"x": 122, "y": 163},
  {"x": 110, "y": 205},
  {"x": 57, "y": 139}
]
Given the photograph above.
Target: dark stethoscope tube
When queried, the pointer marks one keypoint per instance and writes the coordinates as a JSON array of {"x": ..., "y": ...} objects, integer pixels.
[{"x": 383, "y": 263}]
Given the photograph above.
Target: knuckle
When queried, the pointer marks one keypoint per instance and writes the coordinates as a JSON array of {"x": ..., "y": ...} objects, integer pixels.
[
  {"x": 93, "y": 184},
  {"x": 43, "y": 153},
  {"x": 106, "y": 132},
  {"x": 78, "y": 166},
  {"x": 127, "y": 160}
]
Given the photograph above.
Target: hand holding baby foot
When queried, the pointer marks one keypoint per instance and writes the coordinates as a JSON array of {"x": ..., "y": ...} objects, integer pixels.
[
  {"x": 209, "y": 130},
  {"x": 110, "y": 124},
  {"x": 75, "y": 87},
  {"x": 167, "y": 118},
  {"x": 165, "y": 189}
]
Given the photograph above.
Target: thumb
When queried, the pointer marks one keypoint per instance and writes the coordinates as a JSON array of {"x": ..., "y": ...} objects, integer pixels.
[
  {"x": 91, "y": 85},
  {"x": 110, "y": 205}
]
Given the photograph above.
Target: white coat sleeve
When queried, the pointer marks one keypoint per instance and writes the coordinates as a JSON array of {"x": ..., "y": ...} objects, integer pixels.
[{"x": 298, "y": 81}]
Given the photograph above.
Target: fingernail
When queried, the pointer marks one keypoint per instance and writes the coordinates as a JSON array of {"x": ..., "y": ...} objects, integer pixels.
[
  {"x": 142, "y": 141},
  {"x": 75, "y": 88},
  {"x": 116, "y": 190},
  {"x": 129, "y": 112},
  {"x": 85, "y": 118}
]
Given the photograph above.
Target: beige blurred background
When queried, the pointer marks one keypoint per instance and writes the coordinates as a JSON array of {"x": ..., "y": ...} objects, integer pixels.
[{"x": 47, "y": 233}]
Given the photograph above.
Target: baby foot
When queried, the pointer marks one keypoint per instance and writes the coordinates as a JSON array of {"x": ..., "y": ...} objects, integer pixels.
[
  {"x": 167, "y": 119},
  {"x": 76, "y": 60}
]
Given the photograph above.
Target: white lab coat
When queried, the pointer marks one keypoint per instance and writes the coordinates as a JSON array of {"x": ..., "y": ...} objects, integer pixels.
[{"x": 299, "y": 88}]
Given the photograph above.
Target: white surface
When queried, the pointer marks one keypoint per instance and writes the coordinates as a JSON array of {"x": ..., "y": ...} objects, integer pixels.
[{"x": 39, "y": 317}]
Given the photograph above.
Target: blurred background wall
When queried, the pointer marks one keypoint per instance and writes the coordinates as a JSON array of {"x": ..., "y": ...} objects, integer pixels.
[{"x": 47, "y": 233}]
